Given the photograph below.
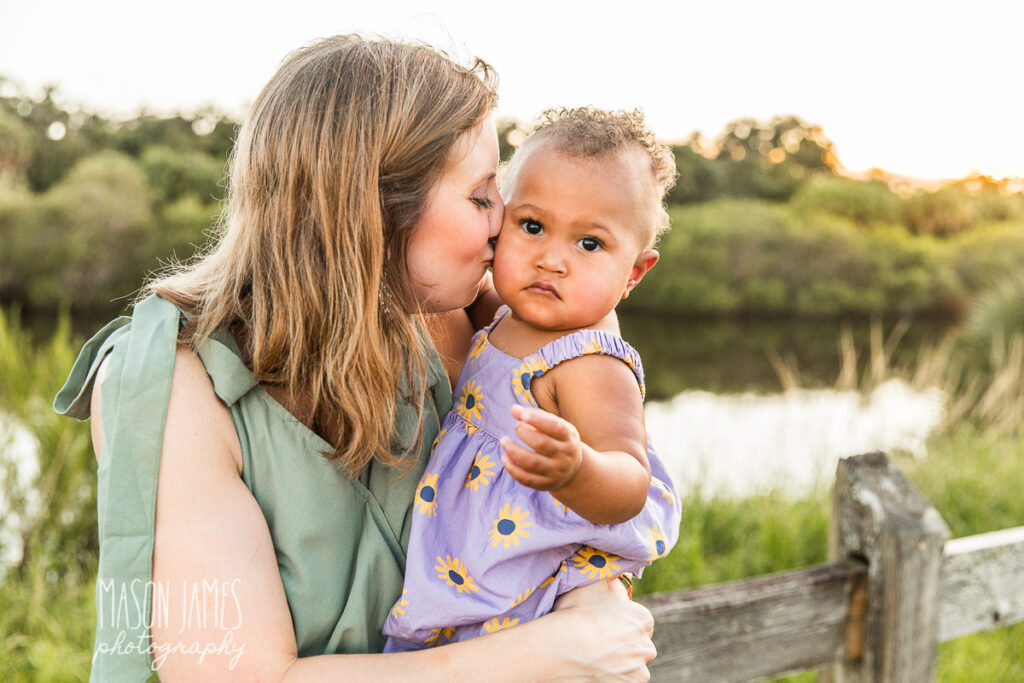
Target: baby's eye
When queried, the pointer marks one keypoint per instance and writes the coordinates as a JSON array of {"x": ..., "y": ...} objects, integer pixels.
[
  {"x": 532, "y": 227},
  {"x": 589, "y": 243}
]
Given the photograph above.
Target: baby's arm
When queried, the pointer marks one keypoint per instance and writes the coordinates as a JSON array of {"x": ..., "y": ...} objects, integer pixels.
[{"x": 589, "y": 444}]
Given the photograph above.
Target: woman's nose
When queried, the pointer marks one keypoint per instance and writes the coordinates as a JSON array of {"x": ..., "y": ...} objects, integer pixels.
[{"x": 496, "y": 216}]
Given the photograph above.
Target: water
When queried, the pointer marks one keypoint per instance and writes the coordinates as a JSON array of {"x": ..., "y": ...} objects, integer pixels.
[
  {"x": 19, "y": 469},
  {"x": 740, "y": 444},
  {"x": 721, "y": 422},
  {"x": 732, "y": 355}
]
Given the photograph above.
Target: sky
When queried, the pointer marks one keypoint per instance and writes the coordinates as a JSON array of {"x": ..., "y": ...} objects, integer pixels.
[{"x": 922, "y": 89}]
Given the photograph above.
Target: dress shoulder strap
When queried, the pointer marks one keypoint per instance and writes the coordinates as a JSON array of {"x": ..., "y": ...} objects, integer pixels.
[
  {"x": 589, "y": 342},
  {"x": 574, "y": 345}
]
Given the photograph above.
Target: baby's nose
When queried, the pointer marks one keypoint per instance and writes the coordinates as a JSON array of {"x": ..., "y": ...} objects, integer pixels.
[{"x": 551, "y": 260}]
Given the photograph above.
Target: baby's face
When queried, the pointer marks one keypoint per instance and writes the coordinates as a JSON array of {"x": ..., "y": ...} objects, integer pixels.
[{"x": 574, "y": 235}]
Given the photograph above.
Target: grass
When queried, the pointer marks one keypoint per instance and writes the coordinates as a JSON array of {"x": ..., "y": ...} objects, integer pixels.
[
  {"x": 972, "y": 476},
  {"x": 47, "y": 616}
]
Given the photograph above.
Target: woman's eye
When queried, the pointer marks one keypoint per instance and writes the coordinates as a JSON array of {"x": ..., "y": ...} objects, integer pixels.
[
  {"x": 589, "y": 243},
  {"x": 483, "y": 202},
  {"x": 532, "y": 227}
]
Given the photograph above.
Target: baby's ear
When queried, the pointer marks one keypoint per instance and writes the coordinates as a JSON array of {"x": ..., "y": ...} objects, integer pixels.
[{"x": 644, "y": 262}]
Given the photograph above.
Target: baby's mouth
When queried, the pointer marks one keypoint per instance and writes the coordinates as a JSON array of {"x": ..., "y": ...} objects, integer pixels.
[{"x": 544, "y": 289}]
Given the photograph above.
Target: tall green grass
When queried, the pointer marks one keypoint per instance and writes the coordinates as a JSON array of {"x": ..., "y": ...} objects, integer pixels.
[{"x": 47, "y": 616}]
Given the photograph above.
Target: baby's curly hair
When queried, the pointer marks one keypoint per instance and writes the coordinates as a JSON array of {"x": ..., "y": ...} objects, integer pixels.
[{"x": 587, "y": 132}]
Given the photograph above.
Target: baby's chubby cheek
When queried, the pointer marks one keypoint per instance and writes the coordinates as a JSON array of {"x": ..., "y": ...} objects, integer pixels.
[{"x": 503, "y": 268}]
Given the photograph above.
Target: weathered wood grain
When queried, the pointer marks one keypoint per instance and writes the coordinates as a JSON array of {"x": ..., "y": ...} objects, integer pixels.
[
  {"x": 879, "y": 516},
  {"x": 982, "y": 583},
  {"x": 757, "y": 628}
]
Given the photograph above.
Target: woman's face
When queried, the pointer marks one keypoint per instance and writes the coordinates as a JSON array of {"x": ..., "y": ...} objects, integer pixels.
[{"x": 449, "y": 251}]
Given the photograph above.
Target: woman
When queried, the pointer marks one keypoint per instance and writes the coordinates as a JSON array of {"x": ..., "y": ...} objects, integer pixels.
[{"x": 264, "y": 416}]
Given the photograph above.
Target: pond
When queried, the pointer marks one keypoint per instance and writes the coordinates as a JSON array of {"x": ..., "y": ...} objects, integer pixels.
[{"x": 723, "y": 423}]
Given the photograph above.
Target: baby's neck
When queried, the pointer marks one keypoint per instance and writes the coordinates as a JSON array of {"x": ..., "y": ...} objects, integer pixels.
[{"x": 519, "y": 338}]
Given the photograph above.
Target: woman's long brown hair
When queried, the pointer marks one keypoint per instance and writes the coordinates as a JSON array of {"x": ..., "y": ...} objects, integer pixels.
[{"x": 328, "y": 178}]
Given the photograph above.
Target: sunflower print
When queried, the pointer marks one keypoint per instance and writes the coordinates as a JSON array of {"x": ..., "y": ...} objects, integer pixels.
[
  {"x": 522, "y": 597},
  {"x": 478, "y": 347},
  {"x": 509, "y": 527},
  {"x": 523, "y": 376},
  {"x": 454, "y": 572},
  {"x": 402, "y": 602},
  {"x": 558, "y": 503},
  {"x": 493, "y": 624},
  {"x": 471, "y": 402},
  {"x": 656, "y": 543},
  {"x": 561, "y": 568},
  {"x": 483, "y": 467},
  {"x": 471, "y": 429},
  {"x": 439, "y": 635},
  {"x": 437, "y": 439},
  {"x": 666, "y": 492},
  {"x": 426, "y": 495},
  {"x": 593, "y": 346},
  {"x": 596, "y": 564}
]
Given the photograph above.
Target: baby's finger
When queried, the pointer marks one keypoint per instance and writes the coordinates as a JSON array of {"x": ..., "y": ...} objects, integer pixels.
[
  {"x": 538, "y": 441},
  {"x": 543, "y": 421},
  {"x": 525, "y": 459},
  {"x": 522, "y": 476}
]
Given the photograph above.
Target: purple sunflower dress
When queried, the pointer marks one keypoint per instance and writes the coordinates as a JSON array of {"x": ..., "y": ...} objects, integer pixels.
[{"x": 487, "y": 553}]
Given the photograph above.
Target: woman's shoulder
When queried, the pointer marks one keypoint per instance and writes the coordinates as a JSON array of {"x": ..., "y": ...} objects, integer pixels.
[{"x": 194, "y": 411}]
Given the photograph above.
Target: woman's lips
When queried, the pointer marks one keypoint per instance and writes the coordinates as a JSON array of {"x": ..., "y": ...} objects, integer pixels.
[{"x": 543, "y": 289}]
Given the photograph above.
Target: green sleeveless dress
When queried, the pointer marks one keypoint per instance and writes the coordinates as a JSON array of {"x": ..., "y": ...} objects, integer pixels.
[{"x": 340, "y": 543}]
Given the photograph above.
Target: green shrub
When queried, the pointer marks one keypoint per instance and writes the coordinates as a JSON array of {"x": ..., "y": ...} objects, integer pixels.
[
  {"x": 942, "y": 213},
  {"x": 745, "y": 255},
  {"x": 992, "y": 207},
  {"x": 998, "y": 312},
  {"x": 175, "y": 174},
  {"x": 987, "y": 254},
  {"x": 862, "y": 202},
  {"x": 88, "y": 238}
]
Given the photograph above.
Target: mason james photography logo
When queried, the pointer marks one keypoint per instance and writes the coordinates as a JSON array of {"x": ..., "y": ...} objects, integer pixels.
[{"x": 209, "y": 606}]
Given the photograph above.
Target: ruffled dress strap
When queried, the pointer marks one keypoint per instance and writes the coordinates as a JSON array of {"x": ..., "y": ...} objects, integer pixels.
[{"x": 574, "y": 345}]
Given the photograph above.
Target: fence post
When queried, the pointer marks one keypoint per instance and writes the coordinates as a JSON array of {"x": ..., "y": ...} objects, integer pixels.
[{"x": 880, "y": 518}]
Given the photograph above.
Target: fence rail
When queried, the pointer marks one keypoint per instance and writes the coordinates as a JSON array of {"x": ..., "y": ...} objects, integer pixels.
[{"x": 895, "y": 588}]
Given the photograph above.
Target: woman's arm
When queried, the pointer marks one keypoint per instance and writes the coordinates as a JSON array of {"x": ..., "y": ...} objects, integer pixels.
[
  {"x": 589, "y": 441},
  {"x": 595, "y": 633},
  {"x": 210, "y": 529}
]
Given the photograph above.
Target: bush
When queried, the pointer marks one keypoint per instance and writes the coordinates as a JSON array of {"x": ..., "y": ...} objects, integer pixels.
[
  {"x": 985, "y": 255},
  {"x": 997, "y": 314},
  {"x": 942, "y": 213},
  {"x": 733, "y": 256},
  {"x": 861, "y": 202},
  {"x": 87, "y": 237},
  {"x": 173, "y": 174}
]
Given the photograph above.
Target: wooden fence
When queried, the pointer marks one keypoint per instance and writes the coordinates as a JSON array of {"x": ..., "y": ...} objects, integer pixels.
[{"x": 894, "y": 588}]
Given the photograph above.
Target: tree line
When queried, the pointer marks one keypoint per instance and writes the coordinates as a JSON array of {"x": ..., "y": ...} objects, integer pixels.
[{"x": 89, "y": 204}]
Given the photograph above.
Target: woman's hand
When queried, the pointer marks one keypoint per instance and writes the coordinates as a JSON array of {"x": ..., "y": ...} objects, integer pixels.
[{"x": 615, "y": 632}]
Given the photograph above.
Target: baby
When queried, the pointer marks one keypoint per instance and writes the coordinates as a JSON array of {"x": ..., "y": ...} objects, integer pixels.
[{"x": 542, "y": 478}]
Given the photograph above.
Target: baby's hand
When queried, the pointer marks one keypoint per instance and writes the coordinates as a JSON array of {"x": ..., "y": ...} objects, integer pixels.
[{"x": 557, "y": 453}]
